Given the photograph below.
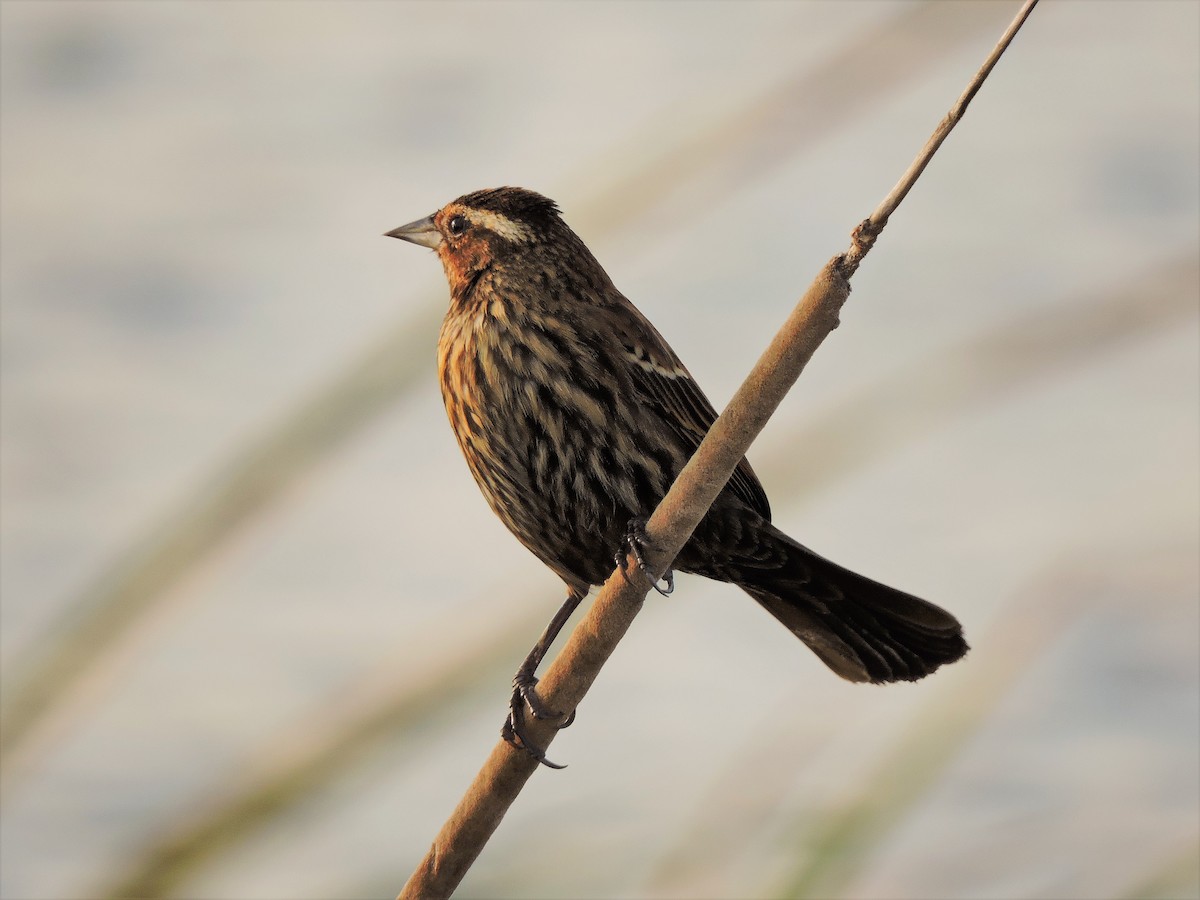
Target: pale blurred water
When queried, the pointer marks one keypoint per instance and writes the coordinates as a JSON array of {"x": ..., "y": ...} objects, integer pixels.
[{"x": 192, "y": 200}]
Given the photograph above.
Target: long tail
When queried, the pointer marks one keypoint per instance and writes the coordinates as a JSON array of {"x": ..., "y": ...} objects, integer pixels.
[{"x": 863, "y": 630}]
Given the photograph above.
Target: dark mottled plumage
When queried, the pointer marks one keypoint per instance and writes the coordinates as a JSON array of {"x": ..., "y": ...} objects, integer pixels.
[{"x": 575, "y": 416}]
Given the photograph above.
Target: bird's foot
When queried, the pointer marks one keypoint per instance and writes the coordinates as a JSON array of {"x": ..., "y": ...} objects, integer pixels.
[
  {"x": 523, "y": 696},
  {"x": 635, "y": 542}
]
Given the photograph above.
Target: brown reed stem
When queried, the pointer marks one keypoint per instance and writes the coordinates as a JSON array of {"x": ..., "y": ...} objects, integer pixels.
[{"x": 573, "y": 671}]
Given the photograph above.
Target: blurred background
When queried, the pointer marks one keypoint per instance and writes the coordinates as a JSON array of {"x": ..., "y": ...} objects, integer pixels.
[{"x": 258, "y": 624}]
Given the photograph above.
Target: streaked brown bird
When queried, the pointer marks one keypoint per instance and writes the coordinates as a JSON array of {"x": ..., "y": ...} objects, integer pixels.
[{"x": 575, "y": 416}]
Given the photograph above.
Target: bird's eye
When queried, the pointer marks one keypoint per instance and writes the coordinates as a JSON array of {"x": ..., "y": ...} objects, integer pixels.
[{"x": 457, "y": 225}]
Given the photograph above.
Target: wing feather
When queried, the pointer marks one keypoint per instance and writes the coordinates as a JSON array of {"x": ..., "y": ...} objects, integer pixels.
[{"x": 669, "y": 389}]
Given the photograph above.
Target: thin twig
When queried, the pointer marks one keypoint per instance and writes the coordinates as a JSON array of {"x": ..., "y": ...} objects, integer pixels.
[
  {"x": 868, "y": 230},
  {"x": 573, "y": 671}
]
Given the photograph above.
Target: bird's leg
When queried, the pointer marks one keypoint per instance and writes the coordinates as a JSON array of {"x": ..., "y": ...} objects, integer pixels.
[
  {"x": 635, "y": 542},
  {"x": 525, "y": 681}
]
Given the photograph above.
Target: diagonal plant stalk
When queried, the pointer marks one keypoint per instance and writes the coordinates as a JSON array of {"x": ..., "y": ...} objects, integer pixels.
[
  {"x": 1178, "y": 876},
  {"x": 838, "y": 846},
  {"x": 1005, "y": 359},
  {"x": 253, "y": 479},
  {"x": 573, "y": 671},
  {"x": 836, "y": 849},
  {"x": 315, "y": 752}
]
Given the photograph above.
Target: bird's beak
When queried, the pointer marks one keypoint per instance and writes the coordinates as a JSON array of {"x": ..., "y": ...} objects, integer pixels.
[{"x": 422, "y": 232}]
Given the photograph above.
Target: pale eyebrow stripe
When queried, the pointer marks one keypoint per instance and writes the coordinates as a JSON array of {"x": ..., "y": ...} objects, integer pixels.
[{"x": 502, "y": 225}]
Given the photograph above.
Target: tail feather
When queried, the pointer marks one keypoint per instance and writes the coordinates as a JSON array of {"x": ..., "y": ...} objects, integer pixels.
[{"x": 863, "y": 630}]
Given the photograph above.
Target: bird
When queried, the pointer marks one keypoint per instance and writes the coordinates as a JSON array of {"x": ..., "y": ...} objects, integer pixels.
[{"x": 575, "y": 416}]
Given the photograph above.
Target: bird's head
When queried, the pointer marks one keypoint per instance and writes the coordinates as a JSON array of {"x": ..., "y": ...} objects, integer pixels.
[{"x": 484, "y": 228}]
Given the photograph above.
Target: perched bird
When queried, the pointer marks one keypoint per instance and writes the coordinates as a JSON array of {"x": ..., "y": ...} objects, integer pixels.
[{"x": 575, "y": 416}]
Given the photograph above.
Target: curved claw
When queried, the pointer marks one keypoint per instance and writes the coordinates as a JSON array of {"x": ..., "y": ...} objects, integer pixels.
[
  {"x": 635, "y": 542},
  {"x": 512, "y": 733},
  {"x": 523, "y": 696},
  {"x": 669, "y": 578}
]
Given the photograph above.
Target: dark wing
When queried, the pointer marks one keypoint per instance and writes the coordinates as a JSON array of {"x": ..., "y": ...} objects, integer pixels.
[{"x": 671, "y": 391}]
